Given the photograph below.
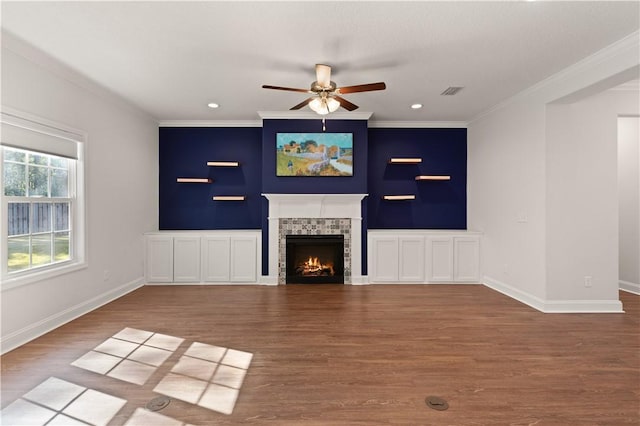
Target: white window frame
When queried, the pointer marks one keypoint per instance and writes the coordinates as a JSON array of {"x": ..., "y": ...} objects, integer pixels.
[{"x": 28, "y": 132}]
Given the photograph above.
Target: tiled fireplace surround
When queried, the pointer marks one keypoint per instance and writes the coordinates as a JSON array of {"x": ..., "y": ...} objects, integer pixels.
[{"x": 315, "y": 214}]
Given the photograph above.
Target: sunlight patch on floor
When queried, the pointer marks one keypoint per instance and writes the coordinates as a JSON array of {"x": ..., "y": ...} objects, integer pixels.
[{"x": 205, "y": 375}]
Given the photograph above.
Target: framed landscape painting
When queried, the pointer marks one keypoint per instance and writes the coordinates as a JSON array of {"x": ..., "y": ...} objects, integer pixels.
[{"x": 314, "y": 154}]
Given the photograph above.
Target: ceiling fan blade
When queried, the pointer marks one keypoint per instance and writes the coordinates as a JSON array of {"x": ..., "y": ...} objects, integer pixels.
[
  {"x": 303, "y": 103},
  {"x": 290, "y": 89},
  {"x": 361, "y": 88},
  {"x": 346, "y": 104},
  {"x": 323, "y": 75}
]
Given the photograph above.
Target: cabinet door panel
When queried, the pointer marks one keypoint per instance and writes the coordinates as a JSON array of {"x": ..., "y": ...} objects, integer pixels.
[
  {"x": 159, "y": 267},
  {"x": 440, "y": 259},
  {"x": 215, "y": 259},
  {"x": 411, "y": 259},
  {"x": 186, "y": 259},
  {"x": 243, "y": 259},
  {"x": 384, "y": 259},
  {"x": 467, "y": 259}
]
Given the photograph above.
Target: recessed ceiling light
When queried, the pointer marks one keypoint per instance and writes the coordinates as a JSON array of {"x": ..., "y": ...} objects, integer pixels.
[
  {"x": 213, "y": 105},
  {"x": 416, "y": 106}
]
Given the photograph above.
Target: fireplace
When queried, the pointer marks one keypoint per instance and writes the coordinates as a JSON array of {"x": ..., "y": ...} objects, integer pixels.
[
  {"x": 315, "y": 214},
  {"x": 315, "y": 259}
]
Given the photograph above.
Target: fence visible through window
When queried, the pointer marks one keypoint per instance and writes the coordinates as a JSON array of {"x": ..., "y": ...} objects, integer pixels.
[{"x": 38, "y": 209}]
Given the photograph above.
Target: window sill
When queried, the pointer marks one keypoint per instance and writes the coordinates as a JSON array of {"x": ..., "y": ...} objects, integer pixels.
[{"x": 30, "y": 277}]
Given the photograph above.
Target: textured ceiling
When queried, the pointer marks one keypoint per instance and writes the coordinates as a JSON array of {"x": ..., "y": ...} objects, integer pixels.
[{"x": 172, "y": 58}]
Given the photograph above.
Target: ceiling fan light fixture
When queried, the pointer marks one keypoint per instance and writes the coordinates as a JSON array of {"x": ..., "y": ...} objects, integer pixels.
[
  {"x": 333, "y": 104},
  {"x": 316, "y": 105},
  {"x": 324, "y": 105}
]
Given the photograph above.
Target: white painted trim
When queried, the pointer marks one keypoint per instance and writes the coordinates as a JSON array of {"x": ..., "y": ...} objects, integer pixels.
[
  {"x": 372, "y": 124},
  {"x": 359, "y": 279},
  {"x": 618, "y": 50},
  {"x": 583, "y": 307},
  {"x": 35, "y": 275},
  {"x": 519, "y": 295},
  {"x": 210, "y": 123},
  {"x": 310, "y": 115},
  {"x": 554, "y": 306},
  {"x": 419, "y": 124},
  {"x": 34, "y": 122},
  {"x": 200, "y": 283},
  {"x": 269, "y": 280},
  {"x": 629, "y": 287},
  {"x": 35, "y": 330}
]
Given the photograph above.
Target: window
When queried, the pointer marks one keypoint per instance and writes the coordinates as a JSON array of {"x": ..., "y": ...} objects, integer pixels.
[
  {"x": 42, "y": 206},
  {"x": 38, "y": 209}
]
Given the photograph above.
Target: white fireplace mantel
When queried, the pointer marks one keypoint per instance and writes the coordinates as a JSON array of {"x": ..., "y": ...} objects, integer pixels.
[
  {"x": 315, "y": 205},
  {"x": 328, "y": 206}
]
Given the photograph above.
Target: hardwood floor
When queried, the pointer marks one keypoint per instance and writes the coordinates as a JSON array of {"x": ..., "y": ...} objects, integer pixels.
[{"x": 364, "y": 355}]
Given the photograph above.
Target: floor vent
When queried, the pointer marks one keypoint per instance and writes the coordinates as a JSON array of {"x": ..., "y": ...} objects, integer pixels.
[
  {"x": 157, "y": 404},
  {"x": 436, "y": 403}
]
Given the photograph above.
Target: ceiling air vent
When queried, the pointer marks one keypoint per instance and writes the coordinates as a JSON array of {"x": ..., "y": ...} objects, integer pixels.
[{"x": 452, "y": 90}]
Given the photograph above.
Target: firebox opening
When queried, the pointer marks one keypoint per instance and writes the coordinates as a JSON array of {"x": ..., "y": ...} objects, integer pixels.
[{"x": 315, "y": 259}]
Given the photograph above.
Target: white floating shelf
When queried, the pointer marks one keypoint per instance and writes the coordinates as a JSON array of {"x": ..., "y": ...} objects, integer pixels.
[
  {"x": 223, "y": 163},
  {"x": 229, "y": 198},
  {"x": 398, "y": 197},
  {"x": 405, "y": 160},
  {"x": 193, "y": 180},
  {"x": 433, "y": 177}
]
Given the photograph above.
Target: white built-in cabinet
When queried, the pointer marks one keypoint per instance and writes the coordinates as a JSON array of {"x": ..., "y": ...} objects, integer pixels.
[
  {"x": 202, "y": 257},
  {"x": 423, "y": 256}
]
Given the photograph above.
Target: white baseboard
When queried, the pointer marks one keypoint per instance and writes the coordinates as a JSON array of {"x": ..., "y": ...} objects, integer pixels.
[
  {"x": 583, "y": 307},
  {"x": 200, "y": 283},
  {"x": 268, "y": 280},
  {"x": 521, "y": 296},
  {"x": 555, "y": 306},
  {"x": 35, "y": 330},
  {"x": 630, "y": 287},
  {"x": 359, "y": 280}
]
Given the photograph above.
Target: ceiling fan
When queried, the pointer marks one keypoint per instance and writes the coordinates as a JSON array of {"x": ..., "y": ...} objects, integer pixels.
[{"x": 326, "y": 94}]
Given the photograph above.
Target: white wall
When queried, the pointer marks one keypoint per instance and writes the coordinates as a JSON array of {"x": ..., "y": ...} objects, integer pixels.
[
  {"x": 506, "y": 177},
  {"x": 629, "y": 201},
  {"x": 582, "y": 196},
  {"x": 121, "y": 190},
  {"x": 516, "y": 181}
]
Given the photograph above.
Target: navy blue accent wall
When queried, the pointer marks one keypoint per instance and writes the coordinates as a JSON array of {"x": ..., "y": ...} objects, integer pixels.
[
  {"x": 438, "y": 204},
  {"x": 356, "y": 184},
  {"x": 184, "y": 152}
]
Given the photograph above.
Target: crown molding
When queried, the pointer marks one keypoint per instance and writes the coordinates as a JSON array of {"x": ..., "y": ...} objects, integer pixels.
[
  {"x": 309, "y": 115},
  {"x": 629, "y": 86},
  {"x": 372, "y": 124},
  {"x": 623, "y": 55},
  {"x": 67, "y": 73},
  {"x": 419, "y": 124},
  {"x": 210, "y": 123}
]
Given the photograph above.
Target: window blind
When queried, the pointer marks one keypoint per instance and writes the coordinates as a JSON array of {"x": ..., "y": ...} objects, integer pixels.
[{"x": 24, "y": 134}]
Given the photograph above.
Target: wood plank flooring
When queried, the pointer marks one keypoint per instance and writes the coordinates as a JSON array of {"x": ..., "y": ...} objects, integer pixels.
[{"x": 367, "y": 355}]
